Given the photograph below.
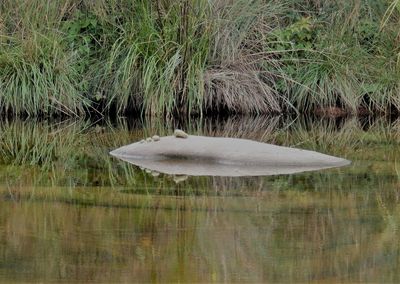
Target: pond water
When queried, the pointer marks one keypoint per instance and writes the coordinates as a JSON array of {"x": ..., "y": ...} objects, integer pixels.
[{"x": 69, "y": 212}]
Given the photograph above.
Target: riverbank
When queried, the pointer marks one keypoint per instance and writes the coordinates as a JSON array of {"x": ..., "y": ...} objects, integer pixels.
[{"x": 73, "y": 58}]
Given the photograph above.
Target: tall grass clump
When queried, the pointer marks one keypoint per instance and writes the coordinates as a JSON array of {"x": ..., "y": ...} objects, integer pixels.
[
  {"x": 37, "y": 72},
  {"x": 240, "y": 76},
  {"x": 157, "y": 59},
  {"x": 334, "y": 53}
]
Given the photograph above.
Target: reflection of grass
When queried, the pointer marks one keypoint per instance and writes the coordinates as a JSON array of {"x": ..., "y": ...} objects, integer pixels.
[{"x": 39, "y": 144}]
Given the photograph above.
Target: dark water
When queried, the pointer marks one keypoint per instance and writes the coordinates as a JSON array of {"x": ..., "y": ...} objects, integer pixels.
[{"x": 71, "y": 213}]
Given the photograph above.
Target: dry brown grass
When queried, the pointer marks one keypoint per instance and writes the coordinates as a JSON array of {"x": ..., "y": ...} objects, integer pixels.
[
  {"x": 240, "y": 89},
  {"x": 237, "y": 79}
]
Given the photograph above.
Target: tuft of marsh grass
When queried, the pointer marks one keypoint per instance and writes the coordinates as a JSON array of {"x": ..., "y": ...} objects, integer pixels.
[
  {"x": 36, "y": 78},
  {"x": 156, "y": 63},
  {"x": 238, "y": 78},
  {"x": 327, "y": 63},
  {"x": 37, "y": 72}
]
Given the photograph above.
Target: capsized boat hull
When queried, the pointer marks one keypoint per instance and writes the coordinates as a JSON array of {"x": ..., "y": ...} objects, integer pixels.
[{"x": 220, "y": 156}]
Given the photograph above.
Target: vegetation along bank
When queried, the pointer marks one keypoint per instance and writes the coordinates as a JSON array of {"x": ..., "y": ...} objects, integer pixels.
[{"x": 74, "y": 57}]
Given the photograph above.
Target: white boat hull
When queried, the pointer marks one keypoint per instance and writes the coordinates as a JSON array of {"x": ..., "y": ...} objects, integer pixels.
[{"x": 218, "y": 156}]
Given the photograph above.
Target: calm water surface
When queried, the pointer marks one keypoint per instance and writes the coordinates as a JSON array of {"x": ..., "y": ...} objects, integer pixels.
[{"x": 71, "y": 213}]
